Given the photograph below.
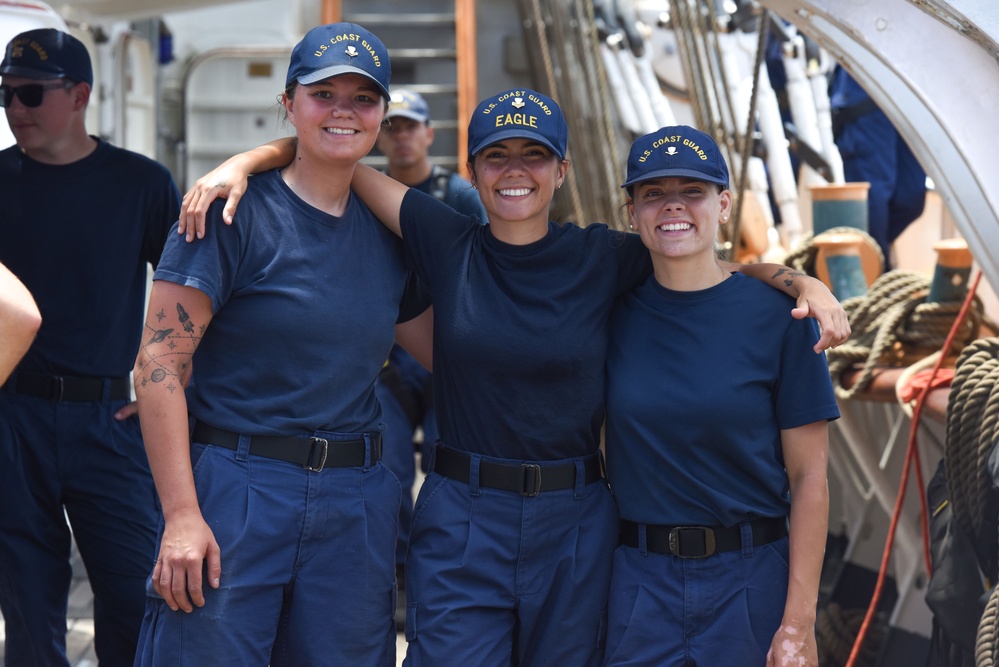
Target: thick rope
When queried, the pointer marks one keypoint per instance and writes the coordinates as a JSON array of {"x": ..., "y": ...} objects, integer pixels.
[
  {"x": 986, "y": 643},
  {"x": 972, "y": 431},
  {"x": 893, "y": 324},
  {"x": 802, "y": 257},
  {"x": 607, "y": 139},
  {"x": 746, "y": 146},
  {"x": 835, "y": 631},
  {"x": 540, "y": 29}
]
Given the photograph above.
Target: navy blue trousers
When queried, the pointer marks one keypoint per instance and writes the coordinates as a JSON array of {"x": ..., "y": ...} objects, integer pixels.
[
  {"x": 495, "y": 578},
  {"x": 72, "y": 460},
  {"x": 719, "y": 611},
  {"x": 308, "y": 573}
]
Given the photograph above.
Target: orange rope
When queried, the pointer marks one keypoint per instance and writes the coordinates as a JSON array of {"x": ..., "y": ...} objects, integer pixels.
[{"x": 912, "y": 458}]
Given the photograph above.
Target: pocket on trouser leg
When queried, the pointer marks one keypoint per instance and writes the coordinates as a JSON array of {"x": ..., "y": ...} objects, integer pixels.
[
  {"x": 602, "y": 633},
  {"x": 413, "y": 657},
  {"x": 411, "y": 627}
]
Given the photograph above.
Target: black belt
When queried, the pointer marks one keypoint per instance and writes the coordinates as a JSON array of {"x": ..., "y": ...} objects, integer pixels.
[
  {"x": 68, "y": 388},
  {"x": 527, "y": 479},
  {"x": 311, "y": 453},
  {"x": 701, "y": 541},
  {"x": 842, "y": 116}
]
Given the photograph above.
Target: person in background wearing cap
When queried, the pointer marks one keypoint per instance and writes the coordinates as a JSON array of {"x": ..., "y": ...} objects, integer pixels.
[
  {"x": 717, "y": 411},
  {"x": 515, "y": 527},
  {"x": 406, "y": 142},
  {"x": 404, "y": 385},
  {"x": 280, "y": 522},
  {"x": 70, "y": 448}
]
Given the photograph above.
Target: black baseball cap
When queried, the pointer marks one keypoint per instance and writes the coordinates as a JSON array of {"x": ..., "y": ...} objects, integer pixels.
[{"x": 47, "y": 53}]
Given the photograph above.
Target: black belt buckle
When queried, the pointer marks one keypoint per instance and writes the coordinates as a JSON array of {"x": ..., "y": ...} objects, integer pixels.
[
  {"x": 531, "y": 484},
  {"x": 319, "y": 449},
  {"x": 699, "y": 540},
  {"x": 57, "y": 388}
]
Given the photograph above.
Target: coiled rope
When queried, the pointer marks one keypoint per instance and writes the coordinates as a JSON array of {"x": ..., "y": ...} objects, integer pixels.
[
  {"x": 972, "y": 431},
  {"x": 893, "y": 324},
  {"x": 835, "y": 630},
  {"x": 988, "y": 633},
  {"x": 803, "y": 256}
]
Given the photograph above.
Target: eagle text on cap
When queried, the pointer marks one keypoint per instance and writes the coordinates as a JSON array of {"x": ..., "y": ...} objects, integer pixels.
[
  {"x": 516, "y": 98},
  {"x": 349, "y": 37},
  {"x": 672, "y": 139}
]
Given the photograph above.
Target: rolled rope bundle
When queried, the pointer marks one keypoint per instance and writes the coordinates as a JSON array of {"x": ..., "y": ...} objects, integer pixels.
[
  {"x": 836, "y": 630},
  {"x": 803, "y": 256},
  {"x": 986, "y": 645},
  {"x": 893, "y": 325},
  {"x": 972, "y": 432}
]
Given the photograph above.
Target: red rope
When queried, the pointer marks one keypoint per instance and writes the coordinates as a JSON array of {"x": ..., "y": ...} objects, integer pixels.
[{"x": 912, "y": 458}]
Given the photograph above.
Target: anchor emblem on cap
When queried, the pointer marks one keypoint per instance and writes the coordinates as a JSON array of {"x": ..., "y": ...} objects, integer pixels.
[
  {"x": 671, "y": 150},
  {"x": 518, "y": 102},
  {"x": 351, "y": 51}
]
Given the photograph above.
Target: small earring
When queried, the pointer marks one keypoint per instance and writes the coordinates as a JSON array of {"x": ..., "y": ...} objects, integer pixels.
[{"x": 631, "y": 226}]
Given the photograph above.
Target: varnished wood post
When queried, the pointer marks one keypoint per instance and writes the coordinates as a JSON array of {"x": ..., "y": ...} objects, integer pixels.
[
  {"x": 467, "y": 65},
  {"x": 332, "y": 12}
]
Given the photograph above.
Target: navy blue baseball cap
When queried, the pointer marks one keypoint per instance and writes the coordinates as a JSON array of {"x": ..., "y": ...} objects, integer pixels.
[
  {"x": 48, "y": 53},
  {"x": 518, "y": 114},
  {"x": 676, "y": 151},
  {"x": 340, "y": 48},
  {"x": 407, "y": 104}
]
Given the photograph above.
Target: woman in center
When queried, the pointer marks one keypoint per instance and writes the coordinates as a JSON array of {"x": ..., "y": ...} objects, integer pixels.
[{"x": 515, "y": 527}]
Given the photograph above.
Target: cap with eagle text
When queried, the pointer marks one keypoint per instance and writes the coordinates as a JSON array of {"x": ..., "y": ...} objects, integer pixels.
[{"x": 518, "y": 114}]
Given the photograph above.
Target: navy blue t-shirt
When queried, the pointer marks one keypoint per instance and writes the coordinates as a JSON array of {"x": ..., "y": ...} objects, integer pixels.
[
  {"x": 79, "y": 236},
  {"x": 520, "y": 332},
  {"x": 700, "y": 385},
  {"x": 460, "y": 196},
  {"x": 304, "y": 305}
]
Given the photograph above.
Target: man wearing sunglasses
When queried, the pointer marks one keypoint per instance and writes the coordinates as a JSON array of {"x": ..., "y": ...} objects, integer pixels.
[{"x": 79, "y": 222}]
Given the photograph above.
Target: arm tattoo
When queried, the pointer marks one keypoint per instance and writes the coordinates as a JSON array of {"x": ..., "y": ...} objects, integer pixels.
[
  {"x": 791, "y": 275},
  {"x": 167, "y": 352},
  {"x": 185, "y": 319}
]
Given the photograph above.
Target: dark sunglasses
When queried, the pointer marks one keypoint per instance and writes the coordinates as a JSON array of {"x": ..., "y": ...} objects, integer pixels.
[{"x": 30, "y": 94}]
